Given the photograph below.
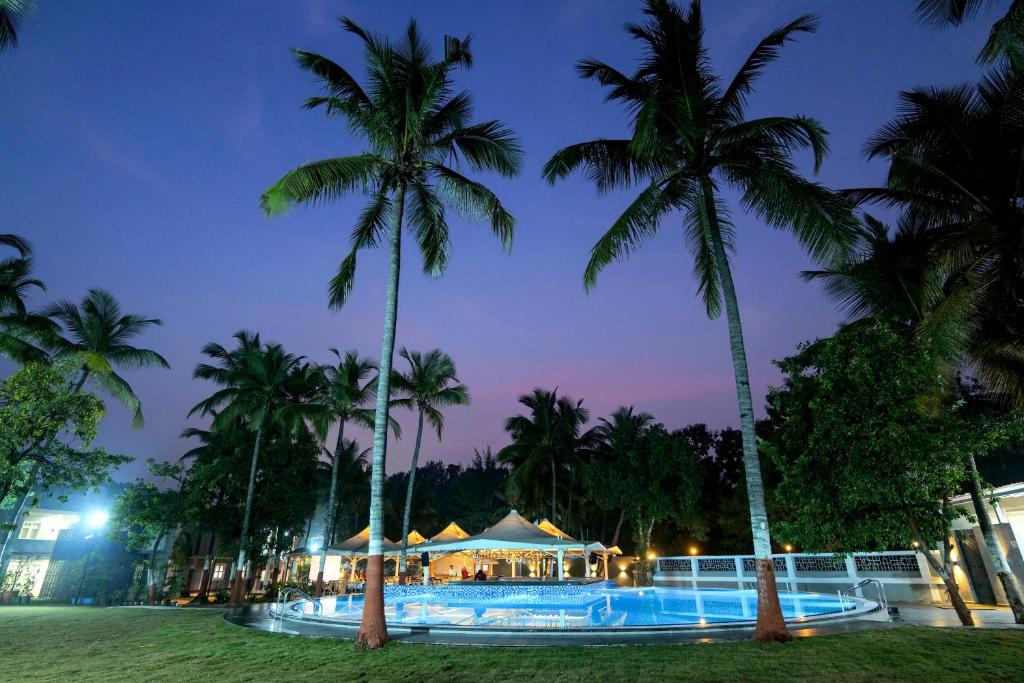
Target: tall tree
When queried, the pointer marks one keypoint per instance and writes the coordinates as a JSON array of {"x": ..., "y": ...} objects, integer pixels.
[
  {"x": 690, "y": 136},
  {"x": 12, "y": 14},
  {"x": 21, "y": 330},
  {"x": 654, "y": 477},
  {"x": 418, "y": 133},
  {"x": 46, "y": 435},
  {"x": 429, "y": 386},
  {"x": 979, "y": 427},
  {"x": 145, "y": 515},
  {"x": 344, "y": 394},
  {"x": 260, "y": 384},
  {"x": 544, "y": 444},
  {"x": 101, "y": 337},
  {"x": 615, "y": 435},
  {"x": 1005, "y": 40},
  {"x": 951, "y": 271},
  {"x": 954, "y": 171},
  {"x": 863, "y": 465}
]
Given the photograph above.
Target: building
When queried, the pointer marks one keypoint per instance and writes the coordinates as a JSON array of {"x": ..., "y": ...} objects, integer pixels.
[
  {"x": 974, "y": 572},
  {"x": 59, "y": 548}
]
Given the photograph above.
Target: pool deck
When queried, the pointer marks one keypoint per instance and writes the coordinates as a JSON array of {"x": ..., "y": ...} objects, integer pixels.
[{"x": 258, "y": 617}]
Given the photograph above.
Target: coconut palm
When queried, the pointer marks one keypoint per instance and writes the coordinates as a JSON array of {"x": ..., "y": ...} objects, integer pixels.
[
  {"x": 418, "y": 134},
  {"x": 344, "y": 393},
  {"x": 101, "y": 336},
  {"x": 1005, "y": 40},
  {"x": 954, "y": 165},
  {"x": 12, "y": 14},
  {"x": 690, "y": 138},
  {"x": 614, "y": 437},
  {"x": 259, "y": 384},
  {"x": 429, "y": 386},
  {"x": 354, "y": 475},
  {"x": 952, "y": 270},
  {"x": 544, "y": 444},
  {"x": 21, "y": 330}
]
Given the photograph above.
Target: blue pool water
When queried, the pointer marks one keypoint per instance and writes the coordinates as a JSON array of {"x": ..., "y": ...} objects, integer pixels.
[{"x": 592, "y": 606}]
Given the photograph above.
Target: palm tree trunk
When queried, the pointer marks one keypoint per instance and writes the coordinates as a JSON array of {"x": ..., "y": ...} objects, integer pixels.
[
  {"x": 339, "y": 449},
  {"x": 568, "y": 513},
  {"x": 152, "y": 569},
  {"x": 618, "y": 526},
  {"x": 771, "y": 626},
  {"x": 554, "y": 491},
  {"x": 408, "y": 499},
  {"x": 203, "y": 594},
  {"x": 329, "y": 512},
  {"x": 238, "y": 587},
  {"x": 995, "y": 553},
  {"x": 81, "y": 381},
  {"x": 373, "y": 629}
]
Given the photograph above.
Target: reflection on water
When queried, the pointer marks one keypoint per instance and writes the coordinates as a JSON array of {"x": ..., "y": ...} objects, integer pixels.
[{"x": 599, "y": 608}]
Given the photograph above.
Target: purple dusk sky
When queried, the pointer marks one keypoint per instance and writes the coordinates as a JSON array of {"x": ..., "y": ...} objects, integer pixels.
[{"x": 136, "y": 139}]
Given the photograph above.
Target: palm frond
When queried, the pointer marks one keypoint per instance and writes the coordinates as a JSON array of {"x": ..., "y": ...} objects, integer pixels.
[
  {"x": 321, "y": 181},
  {"x": 765, "y": 52},
  {"x": 636, "y": 224},
  {"x": 475, "y": 201}
]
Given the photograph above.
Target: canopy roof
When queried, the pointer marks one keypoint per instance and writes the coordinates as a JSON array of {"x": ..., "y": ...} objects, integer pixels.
[
  {"x": 452, "y": 532},
  {"x": 359, "y": 545},
  {"x": 512, "y": 532},
  {"x": 415, "y": 537},
  {"x": 547, "y": 526}
]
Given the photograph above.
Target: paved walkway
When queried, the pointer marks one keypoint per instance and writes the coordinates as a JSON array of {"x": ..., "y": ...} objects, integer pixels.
[{"x": 985, "y": 616}]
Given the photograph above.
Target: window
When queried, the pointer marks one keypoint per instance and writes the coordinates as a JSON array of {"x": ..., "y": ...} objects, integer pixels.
[
  {"x": 29, "y": 530},
  {"x": 46, "y": 526},
  {"x": 218, "y": 571}
]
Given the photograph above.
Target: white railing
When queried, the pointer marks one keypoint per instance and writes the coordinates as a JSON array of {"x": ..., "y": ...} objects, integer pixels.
[{"x": 903, "y": 573}]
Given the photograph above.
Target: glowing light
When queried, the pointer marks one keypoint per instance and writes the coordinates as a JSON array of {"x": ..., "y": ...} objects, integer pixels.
[
  {"x": 916, "y": 544},
  {"x": 97, "y": 518},
  {"x": 693, "y": 550},
  {"x": 789, "y": 548},
  {"x": 651, "y": 555},
  {"x": 622, "y": 566},
  {"x": 314, "y": 546}
]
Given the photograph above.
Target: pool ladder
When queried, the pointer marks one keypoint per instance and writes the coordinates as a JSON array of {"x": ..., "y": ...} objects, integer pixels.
[
  {"x": 882, "y": 601},
  {"x": 281, "y": 600}
]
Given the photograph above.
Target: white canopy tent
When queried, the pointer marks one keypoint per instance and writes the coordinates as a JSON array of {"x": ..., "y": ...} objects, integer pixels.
[{"x": 515, "y": 538}]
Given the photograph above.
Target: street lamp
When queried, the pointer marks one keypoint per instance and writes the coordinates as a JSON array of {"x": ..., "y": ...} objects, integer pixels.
[{"x": 94, "y": 520}]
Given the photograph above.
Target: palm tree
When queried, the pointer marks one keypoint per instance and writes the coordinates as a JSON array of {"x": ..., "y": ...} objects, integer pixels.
[
  {"x": 615, "y": 436},
  {"x": 12, "y": 13},
  {"x": 1005, "y": 40},
  {"x": 260, "y": 384},
  {"x": 690, "y": 137},
  {"x": 354, "y": 474},
  {"x": 951, "y": 272},
  {"x": 418, "y": 133},
  {"x": 543, "y": 444},
  {"x": 21, "y": 330},
  {"x": 430, "y": 385},
  {"x": 954, "y": 160},
  {"x": 344, "y": 393},
  {"x": 100, "y": 335}
]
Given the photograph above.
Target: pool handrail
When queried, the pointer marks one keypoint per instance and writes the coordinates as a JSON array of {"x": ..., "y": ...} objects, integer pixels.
[
  {"x": 317, "y": 607},
  {"x": 882, "y": 601}
]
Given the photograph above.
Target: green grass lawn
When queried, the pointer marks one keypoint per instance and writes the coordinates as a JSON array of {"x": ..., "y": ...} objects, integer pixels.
[{"x": 92, "y": 644}]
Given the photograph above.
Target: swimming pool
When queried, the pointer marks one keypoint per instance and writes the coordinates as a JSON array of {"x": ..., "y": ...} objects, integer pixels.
[{"x": 568, "y": 607}]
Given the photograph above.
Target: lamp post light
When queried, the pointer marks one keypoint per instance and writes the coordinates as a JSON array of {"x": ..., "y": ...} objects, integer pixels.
[{"x": 94, "y": 520}]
